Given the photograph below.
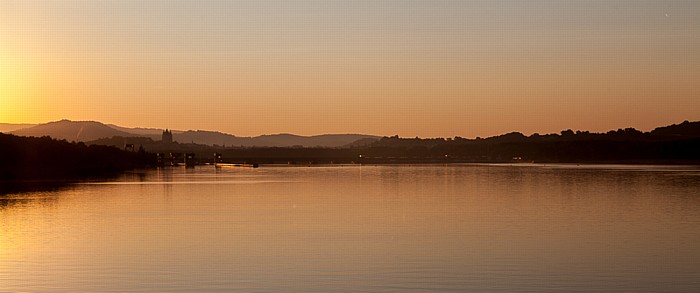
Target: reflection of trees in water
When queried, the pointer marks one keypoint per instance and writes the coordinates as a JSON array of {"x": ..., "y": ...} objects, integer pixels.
[
  {"x": 19, "y": 193},
  {"x": 12, "y": 187},
  {"x": 134, "y": 176},
  {"x": 165, "y": 175}
]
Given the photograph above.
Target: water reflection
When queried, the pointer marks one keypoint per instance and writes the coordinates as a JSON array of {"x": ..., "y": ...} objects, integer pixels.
[
  {"x": 17, "y": 187},
  {"x": 361, "y": 228},
  {"x": 17, "y": 193}
]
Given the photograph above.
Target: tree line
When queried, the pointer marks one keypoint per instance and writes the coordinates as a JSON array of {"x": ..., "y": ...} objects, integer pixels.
[{"x": 47, "y": 158}]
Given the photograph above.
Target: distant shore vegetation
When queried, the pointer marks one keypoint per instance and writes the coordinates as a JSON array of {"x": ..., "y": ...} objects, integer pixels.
[
  {"x": 26, "y": 158},
  {"x": 46, "y": 158},
  {"x": 674, "y": 144}
]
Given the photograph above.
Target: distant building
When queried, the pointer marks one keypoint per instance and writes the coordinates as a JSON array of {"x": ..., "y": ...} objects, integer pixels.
[
  {"x": 167, "y": 136},
  {"x": 129, "y": 147}
]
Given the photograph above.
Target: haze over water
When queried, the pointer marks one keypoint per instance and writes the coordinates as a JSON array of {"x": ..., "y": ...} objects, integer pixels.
[{"x": 352, "y": 228}]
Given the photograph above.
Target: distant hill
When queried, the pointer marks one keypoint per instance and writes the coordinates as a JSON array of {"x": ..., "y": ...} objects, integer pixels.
[
  {"x": 325, "y": 140},
  {"x": 153, "y": 133},
  {"x": 208, "y": 138},
  {"x": 87, "y": 131},
  {"x": 685, "y": 129},
  {"x": 361, "y": 142},
  {"x": 71, "y": 130},
  {"x": 673, "y": 144},
  {"x": 92, "y": 131},
  {"x": 8, "y": 127}
]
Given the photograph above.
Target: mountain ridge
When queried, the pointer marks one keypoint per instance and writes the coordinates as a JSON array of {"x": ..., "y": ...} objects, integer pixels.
[
  {"x": 80, "y": 131},
  {"x": 86, "y": 131},
  {"x": 9, "y": 127}
]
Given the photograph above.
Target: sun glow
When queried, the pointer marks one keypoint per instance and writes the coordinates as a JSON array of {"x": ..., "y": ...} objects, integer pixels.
[
  {"x": 16, "y": 87},
  {"x": 8, "y": 84}
]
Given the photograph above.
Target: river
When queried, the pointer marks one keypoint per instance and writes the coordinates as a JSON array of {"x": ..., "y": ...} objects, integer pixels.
[{"x": 360, "y": 228}]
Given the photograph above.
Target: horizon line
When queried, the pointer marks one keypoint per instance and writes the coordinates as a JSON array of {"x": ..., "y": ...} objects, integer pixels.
[{"x": 347, "y": 133}]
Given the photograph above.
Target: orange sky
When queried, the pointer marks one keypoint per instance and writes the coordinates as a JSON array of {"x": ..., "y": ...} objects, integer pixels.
[{"x": 413, "y": 68}]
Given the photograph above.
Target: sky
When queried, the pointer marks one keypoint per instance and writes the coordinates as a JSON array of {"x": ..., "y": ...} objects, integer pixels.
[{"x": 412, "y": 68}]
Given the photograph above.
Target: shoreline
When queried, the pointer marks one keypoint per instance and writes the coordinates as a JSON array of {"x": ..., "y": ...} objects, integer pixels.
[{"x": 27, "y": 185}]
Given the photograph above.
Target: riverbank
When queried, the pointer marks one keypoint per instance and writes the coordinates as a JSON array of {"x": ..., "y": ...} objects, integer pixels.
[{"x": 30, "y": 159}]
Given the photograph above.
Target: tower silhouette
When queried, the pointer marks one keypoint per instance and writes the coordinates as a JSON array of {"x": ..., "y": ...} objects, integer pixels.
[{"x": 167, "y": 136}]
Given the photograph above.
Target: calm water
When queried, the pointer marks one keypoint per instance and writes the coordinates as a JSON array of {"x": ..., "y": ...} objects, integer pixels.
[{"x": 369, "y": 228}]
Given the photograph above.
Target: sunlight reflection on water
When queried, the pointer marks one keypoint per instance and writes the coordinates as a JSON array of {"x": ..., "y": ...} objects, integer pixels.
[{"x": 360, "y": 228}]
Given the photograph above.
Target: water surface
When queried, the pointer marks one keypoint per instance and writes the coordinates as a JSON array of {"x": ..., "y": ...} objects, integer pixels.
[{"x": 360, "y": 228}]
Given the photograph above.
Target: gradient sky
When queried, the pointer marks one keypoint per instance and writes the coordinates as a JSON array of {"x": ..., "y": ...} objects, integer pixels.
[{"x": 413, "y": 68}]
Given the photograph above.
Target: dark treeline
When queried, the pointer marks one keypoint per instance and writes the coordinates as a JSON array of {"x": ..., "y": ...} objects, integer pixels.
[
  {"x": 45, "y": 158},
  {"x": 670, "y": 144},
  {"x": 675, "y": 144},
  {"x": 25, "y": 158},
  {"x": 593, "y": 151}
]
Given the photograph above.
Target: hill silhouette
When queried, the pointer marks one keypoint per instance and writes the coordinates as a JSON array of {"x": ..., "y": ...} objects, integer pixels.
[
  {"x": 153, "y": 133},
  {"x": 685, "y": 129},
  {"x": 324, "y": 140},
  {"x": 79, "y": 131},
  {"x": 674, "y": 144},
  {"x": 86, "y": 131},
  {"x": 9, "y": 127},
  {"x": 678, "y": 143},
  {"x": 669, "y": 144}
]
